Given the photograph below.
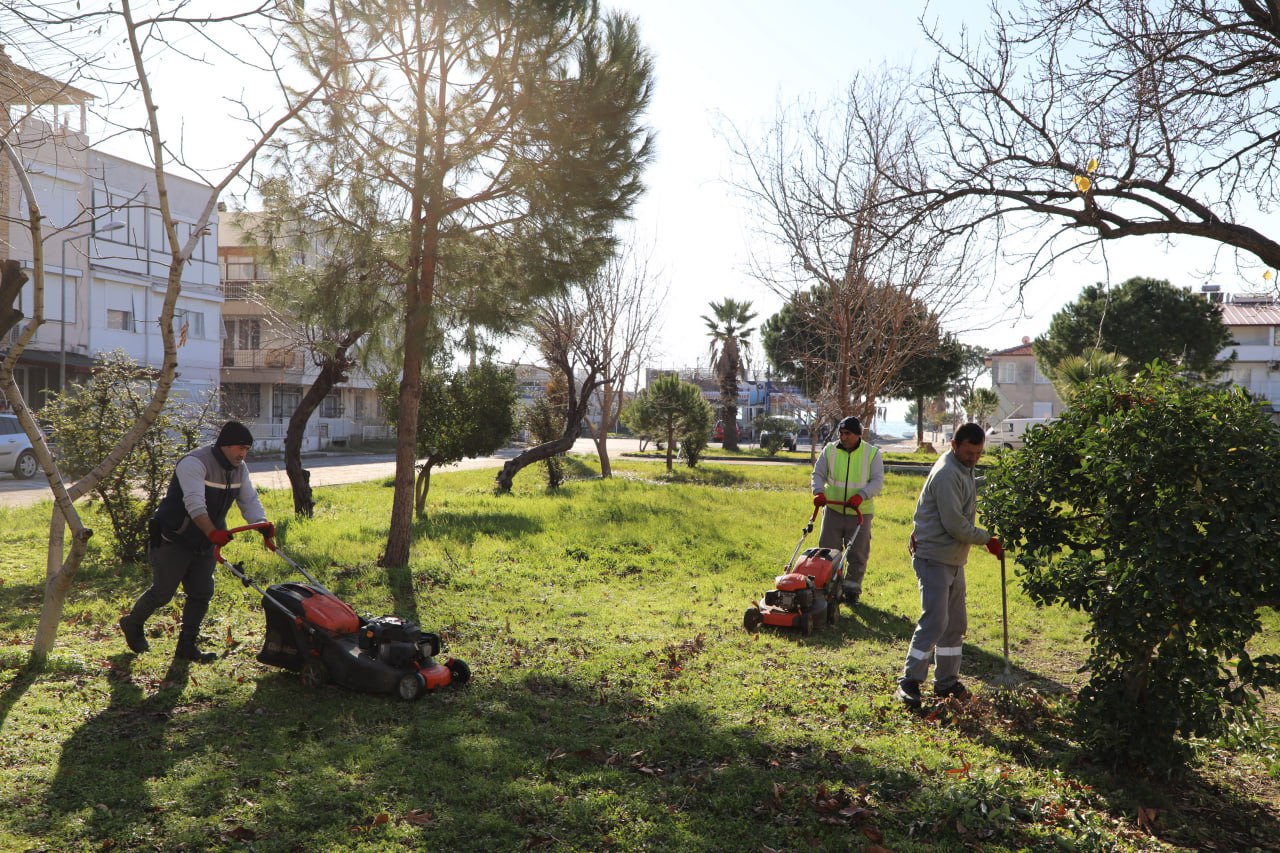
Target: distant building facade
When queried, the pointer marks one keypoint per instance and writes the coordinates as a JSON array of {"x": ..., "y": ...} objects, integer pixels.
[
  {"x": 265, "y": 369},
  {"x": 1023, "y": 390},
  {"x": 1254, "y": 323}
]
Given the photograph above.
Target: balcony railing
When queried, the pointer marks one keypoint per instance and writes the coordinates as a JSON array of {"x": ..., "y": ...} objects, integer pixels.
[
  {"x": 243, "y": 289},
  {"x": 263, "y": 359}
]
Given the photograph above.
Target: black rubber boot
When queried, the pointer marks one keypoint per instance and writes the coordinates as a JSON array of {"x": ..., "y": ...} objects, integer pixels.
[
  {"x": 191, "y": 652},
  {"x": 134, "y": 634},
  {"x": 193, "y": 611}
]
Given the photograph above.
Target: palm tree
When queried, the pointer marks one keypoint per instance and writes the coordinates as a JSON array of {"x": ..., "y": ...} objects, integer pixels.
[
  {"x": 1075, "y": 371},
  {"x": 981, "y": 405},
  {"x": 730, "y": 334}
]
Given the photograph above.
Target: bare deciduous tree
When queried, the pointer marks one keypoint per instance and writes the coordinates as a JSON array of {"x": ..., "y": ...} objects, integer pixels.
[
  {"x": 625, "y": 304},
  {"x": 825, "y": 184},
  {"x": 1075, "y": 124}
]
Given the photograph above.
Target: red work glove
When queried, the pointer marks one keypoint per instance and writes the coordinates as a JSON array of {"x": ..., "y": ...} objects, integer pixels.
[
  {"x": 993, "y": 545},
  {"x": 911, "y": 549},
  {"x": 219, "y": 537},
  {"x": 819, "y": 499},
  {"x": 268, "y": 530},
  {"x": 855, "y": 501}
]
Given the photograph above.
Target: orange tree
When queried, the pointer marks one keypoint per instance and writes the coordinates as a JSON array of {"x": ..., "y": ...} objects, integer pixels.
[{"x": 1151, "y": 505}]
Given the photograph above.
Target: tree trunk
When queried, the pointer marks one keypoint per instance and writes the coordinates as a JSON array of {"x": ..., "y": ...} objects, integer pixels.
[
  {"x": 507, "y": 473},
  {"x": 579, "y": 400},
  {"x": 919, "y": 420},
  {"x": 400, "y": 530},
  {"x": 423, "y": 486},
  {"x": 332, "y": 374},
  {"x": 60, "y": 571},
  {"x": 601, "y": 438},
  {"x": 671, "y": 440}
]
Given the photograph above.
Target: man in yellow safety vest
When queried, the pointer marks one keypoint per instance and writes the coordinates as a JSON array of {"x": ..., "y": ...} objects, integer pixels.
[{"x": 849, "y": 473}]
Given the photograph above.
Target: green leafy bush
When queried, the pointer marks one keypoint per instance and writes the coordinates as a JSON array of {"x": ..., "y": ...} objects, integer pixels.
[{"x": 1152, "y": 506}]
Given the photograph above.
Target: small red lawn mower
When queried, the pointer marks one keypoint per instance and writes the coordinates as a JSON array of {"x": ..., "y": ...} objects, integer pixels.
[
  {"x": 808, "y": 590},
  {"x": 312, "y": 631}
]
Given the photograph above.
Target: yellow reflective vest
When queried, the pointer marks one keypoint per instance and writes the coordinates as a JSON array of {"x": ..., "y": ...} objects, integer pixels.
[{"x": 847, "y": 473}]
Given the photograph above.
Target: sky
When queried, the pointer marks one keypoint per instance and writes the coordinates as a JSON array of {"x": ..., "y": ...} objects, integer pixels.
[
  {"x": 736, "y": 61},
  {"x": 722, "y": 64}
]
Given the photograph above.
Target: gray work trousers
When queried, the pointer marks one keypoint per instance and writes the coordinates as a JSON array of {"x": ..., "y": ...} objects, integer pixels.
[
  {"x": 836, "y": 530},
  {"x": 174, "y": 564},
  {"x": 943, "y": 620}
]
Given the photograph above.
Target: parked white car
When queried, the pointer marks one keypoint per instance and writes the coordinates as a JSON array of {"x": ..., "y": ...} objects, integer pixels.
[
  {"x": 1010, "y": 432},
  {"x": 16, "y": 455}
]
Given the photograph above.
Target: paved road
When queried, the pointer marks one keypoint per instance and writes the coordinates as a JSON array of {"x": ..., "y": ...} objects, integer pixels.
[{"x": 326, "y": 470}]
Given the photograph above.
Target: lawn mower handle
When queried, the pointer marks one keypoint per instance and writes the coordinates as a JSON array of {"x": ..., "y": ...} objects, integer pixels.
[{"x": 271, "y": 545}]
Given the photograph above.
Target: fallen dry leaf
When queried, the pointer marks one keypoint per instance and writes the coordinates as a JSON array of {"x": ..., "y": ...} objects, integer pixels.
[{"x": 962, "y": 770}]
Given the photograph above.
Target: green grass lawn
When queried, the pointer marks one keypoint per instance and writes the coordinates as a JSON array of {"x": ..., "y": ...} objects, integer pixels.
[{"x": 616, "y": 701}]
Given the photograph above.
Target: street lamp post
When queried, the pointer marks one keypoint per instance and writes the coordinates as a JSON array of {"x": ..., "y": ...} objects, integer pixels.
[{"x": 62, "y": 315}]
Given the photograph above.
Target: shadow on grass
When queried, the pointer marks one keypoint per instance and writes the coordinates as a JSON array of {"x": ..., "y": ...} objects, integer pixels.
[
  {"x": 537, "y": 761},
  {"x": 22, "y": 680},
  {"x": 466, "y": 527},
  {"x": 702, "y": 476},
  {"x": 20, "y": 605},
  {"x": 110, "y": 760}
]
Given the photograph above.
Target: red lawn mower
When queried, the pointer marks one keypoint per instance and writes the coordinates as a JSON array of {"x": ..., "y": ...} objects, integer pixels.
[
  {"x": 312, "y": 631},
  {"x": 807, "y": 591}
]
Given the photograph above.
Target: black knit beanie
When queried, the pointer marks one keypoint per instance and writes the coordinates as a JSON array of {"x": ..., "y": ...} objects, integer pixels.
[
  {"x": 852, "y": 424},
  {"x": 234, "y": 432}
]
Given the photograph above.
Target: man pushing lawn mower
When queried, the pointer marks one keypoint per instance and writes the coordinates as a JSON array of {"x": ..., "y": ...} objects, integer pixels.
[
  {"x": 189, "y": 522},
  {"x": 940, "y": 540},
  {"x": 847, "y": 475}
]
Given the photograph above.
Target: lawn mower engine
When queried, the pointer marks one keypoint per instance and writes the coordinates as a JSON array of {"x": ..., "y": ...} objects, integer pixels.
[{"x": 809, "y": 591}]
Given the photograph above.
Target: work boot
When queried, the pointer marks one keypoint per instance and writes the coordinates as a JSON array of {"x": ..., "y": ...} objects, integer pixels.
[
  {"x": 909, "y": 693},
  {"x": 955, "y": 691},
  {"x": 134, "y": 636},
  {"x": 851, "y": 595},
  {"x": 191, "y": 652}
]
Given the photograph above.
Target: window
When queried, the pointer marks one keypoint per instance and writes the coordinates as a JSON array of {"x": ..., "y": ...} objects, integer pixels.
[
  {"x": 331, "y": 405},
  {"x": 1250, "y": 335},
  {"x": 284, "y": 401},
  {"x": 120, "y": 320},
  {"x": 1007, "y": 373},
  {"x": 243, "y": 333},
  {"x": 1041, "y": 379},
  {"x": 242, "y": 400},
  {"x": 193, "y": 320},
  {"x": 238, "y": 267}
]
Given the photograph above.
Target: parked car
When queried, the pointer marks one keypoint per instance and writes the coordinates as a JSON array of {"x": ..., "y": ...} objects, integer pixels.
[
  {"x": 718, "y": 434},
  {"x": 1010, "y": 432},
  {"x": 16, "y": 455},
  {"x": 788, "y": 439}
]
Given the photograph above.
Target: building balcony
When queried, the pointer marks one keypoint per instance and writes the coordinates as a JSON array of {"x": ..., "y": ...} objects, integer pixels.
[
  {"x": 277, "y": 360},
  {"x": 244, "y": 290}
]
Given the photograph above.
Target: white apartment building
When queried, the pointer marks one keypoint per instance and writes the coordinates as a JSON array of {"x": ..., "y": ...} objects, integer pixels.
[
  {"x": 106, "y": 255},
  {"x": 1254, "y": 323}
]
